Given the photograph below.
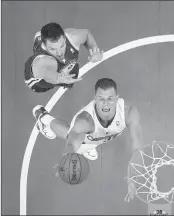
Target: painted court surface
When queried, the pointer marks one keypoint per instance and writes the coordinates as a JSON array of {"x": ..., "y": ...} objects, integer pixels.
[{"x": 144, "y": 76}]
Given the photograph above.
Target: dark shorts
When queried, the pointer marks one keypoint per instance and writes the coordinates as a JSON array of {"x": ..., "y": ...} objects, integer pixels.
[{"x": 40, "y": 87}]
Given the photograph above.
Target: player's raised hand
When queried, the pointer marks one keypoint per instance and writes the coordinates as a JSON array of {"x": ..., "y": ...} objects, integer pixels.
[
  {"x": 95, "y": 55},
  {"x": 68, "y": 78}
]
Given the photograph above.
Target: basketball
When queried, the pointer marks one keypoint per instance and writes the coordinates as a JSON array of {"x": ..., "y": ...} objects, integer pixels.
[{"x": 73, "y": 168}]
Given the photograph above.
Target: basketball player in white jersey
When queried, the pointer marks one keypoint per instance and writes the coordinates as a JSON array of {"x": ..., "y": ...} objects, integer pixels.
[{"x": 103, "y": 119}]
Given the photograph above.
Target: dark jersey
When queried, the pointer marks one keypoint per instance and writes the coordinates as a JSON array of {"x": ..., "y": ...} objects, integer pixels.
[{"x": 70, "y": 62}]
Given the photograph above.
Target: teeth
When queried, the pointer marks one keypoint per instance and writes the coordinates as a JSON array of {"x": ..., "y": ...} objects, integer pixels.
[{"x": 106, "y": 110}]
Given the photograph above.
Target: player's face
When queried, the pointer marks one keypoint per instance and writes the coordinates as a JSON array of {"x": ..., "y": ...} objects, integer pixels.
[
  {"x": 106, "y": 101},
  {"x": 57, "y": 48}
]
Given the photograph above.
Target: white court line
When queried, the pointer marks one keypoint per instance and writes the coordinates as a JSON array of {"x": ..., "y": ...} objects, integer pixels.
[{"x": 61, "y": 91}]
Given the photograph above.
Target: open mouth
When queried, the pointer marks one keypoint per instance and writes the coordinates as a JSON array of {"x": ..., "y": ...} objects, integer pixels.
[{"x": 106, "y": 110}]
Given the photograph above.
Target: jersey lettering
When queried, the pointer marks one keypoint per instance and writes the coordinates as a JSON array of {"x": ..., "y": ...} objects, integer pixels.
[{"x": 105, "y": 138}]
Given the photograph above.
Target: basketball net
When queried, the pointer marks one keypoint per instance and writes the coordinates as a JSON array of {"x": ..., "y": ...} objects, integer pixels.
[{"x": 142, "y": 179}]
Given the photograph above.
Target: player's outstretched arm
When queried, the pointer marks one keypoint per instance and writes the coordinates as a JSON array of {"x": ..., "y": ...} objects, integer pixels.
[
  {"x": 82, "y": 125},
  {"x": 132, "y": 119},
  {"x": 45, "y": 67},
  {"x": 84, "y": 36}
]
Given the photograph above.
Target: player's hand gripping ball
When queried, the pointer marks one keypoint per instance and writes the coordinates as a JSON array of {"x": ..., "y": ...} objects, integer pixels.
[{"x": 73, "y": 168}]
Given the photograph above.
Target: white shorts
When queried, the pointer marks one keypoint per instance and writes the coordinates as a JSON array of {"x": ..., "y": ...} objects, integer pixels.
[{"x": 86, "y": 147}]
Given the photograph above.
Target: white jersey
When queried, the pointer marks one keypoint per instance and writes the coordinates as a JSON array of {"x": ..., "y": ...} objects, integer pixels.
[{"x": 101, "y": 134}]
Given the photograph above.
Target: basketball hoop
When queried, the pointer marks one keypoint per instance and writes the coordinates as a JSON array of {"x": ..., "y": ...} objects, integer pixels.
[{"x": 142, "y": 173}]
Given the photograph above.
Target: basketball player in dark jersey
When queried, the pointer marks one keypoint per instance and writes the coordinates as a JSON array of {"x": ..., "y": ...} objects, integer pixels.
[{"x": 55, "y": 58}]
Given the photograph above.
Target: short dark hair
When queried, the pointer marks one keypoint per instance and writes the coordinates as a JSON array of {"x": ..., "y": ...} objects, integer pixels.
[
  {"x": 51, "y": 31},
  {"x": 105, "y": 83}
]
